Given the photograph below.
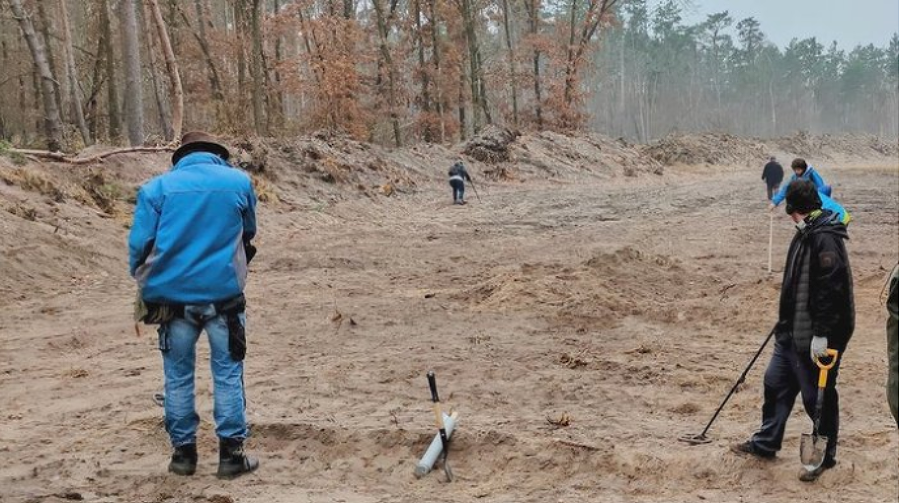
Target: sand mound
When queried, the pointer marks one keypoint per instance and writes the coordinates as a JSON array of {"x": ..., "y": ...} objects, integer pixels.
[
  {"x": 606, "y": 287},
  {"x": 708, "y": 148},
  {"x": 726, "y": 149}
]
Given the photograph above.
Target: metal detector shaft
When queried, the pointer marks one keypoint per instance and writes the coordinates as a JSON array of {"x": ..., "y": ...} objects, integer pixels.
[
  {"x": 738, "y": 382},
  {"x": 475, "y": 190}
]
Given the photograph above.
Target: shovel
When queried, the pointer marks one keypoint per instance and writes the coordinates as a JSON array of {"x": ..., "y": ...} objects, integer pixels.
[
  {"x": 439, "y": 420},
  {"x": 812, "y": 447}
]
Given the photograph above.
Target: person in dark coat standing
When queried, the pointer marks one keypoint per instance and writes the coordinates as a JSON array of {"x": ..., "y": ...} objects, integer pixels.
[
  {"x": 816, "y": 314},
  {"x": 773, "y": 174},
  {"x": 458, "y": 178}
]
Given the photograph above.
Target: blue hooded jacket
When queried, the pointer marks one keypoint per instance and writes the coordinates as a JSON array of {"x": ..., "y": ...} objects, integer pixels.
[
  {"x": 830, "y": 204},
  {"x": 190, "y": 226},
  {"x": 810, "y": 174}
]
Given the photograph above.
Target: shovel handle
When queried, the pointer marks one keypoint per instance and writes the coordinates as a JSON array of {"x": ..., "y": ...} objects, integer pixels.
[
  {"x": 432, "y": 385},
  {"x": 438, "y": 414},
  {"x": 825, "y": 367}
]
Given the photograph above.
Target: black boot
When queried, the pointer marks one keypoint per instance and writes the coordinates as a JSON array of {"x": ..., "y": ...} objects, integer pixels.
[
  {"x": 184, "y": 460},
  {"x": 232, "y": 460}
]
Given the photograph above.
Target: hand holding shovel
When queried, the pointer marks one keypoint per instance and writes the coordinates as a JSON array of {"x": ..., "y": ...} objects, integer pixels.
[{"x": 812, "y": 447}]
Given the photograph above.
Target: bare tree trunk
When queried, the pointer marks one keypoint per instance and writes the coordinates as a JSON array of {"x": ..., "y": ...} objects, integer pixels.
[
  {"x": 131, "y": 51},
  {"x": 92, "y": 110},
  {"x": 476, "y": 78},
  {"x": 112, "y": 95},
  {"x": 348, "y": 9},
  {"x": 5, "y": 130},
  {"x": 52, "y": 122},
  {"x": 462, "y": 102},
  {"x": 570, "y": 54},
  {"x": 428, "y": 135},
  {"x": 165, "y": 120},
  {"x": 70, "y": 71},
  {"x": 256, "y": 70},
  {"x": 512, "y": 64},
  {"x": 45, "y": 29},
  {"x": 597, "y": 10},
  {"x": 240, "y": 23},
  {"x": 389, "y": 62},
  {"x": 212, "y": 73},
  {"x": 533, "y": 7},
  {"x": 172, "y": 70},
  {"x": 436, "y": 56},
  {"x": 278, "y": 109}
]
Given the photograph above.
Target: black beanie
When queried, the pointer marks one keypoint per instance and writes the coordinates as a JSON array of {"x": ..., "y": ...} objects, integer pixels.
[{"x": 802, "y": 197}]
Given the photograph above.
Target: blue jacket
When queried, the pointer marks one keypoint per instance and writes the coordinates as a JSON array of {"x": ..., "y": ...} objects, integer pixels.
[
  {"x": 190, "y": 225},
  {"x": 810, "y": 174},
  {"x": 830, "y": 204}
]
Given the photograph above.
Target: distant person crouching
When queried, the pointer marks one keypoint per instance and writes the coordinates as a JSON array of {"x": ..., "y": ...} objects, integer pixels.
[{"x": 458, "y": 178}]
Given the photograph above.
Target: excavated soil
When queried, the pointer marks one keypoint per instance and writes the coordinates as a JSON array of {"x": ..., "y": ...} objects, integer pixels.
[{"x": 580, "y": 322}]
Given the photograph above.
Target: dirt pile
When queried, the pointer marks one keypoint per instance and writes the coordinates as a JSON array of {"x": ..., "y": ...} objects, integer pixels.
[
  {"x": 707, "y": 148},
  {"x": 605, "y": 288},
  {"x": 845, "y": 146},
  {"x": 556, "y": 155},
  {"x": 491, "y": 144},
  {"x": 726, "y": 149},
  {"x": 330, "y": 164}
]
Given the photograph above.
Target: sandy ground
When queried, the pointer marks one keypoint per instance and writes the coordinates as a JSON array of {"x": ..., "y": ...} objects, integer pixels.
[{"x": 628, "y": 306}]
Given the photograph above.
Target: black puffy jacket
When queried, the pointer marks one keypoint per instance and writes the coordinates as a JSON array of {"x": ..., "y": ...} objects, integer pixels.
[{"x": 830, "y": 286}]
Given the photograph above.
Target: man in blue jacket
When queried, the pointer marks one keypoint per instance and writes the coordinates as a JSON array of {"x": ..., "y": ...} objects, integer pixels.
[
  {"x": 803, "y": 171},
  {"x": 188, "y": 250}
]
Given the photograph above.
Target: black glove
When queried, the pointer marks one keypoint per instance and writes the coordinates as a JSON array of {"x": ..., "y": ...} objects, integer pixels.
[{"x": 249, "y": 251}]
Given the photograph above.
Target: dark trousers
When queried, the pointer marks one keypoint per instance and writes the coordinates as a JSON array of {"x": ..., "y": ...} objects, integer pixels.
[
  {"x": 459, "y": 190},
  {"x": 771, "y": 189},
  {"x": 788, "y": 374}
]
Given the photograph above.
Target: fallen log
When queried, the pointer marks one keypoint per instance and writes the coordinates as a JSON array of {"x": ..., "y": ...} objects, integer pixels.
[{"x": 72, "y": 159}]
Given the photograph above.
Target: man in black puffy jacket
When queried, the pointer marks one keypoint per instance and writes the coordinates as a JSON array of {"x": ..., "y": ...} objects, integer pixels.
[{"x": 816, "y": 314}]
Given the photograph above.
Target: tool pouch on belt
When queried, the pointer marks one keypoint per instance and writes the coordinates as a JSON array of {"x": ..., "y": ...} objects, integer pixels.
[
  {"x": 153, "y": 313},
  {"x": 237, "y": 336}
]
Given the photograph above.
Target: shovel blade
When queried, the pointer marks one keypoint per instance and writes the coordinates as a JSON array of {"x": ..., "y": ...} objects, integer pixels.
[{"x": 812, "y": 451}]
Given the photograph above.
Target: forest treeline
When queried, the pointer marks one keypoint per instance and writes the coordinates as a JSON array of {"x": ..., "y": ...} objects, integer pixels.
[{"x": 405, "y": 71}]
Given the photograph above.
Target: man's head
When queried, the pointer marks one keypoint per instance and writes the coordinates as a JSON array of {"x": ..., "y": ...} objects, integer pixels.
[
  {"x": 799, "y": 166},
  {"x": 771, "y": 158},
  {"x": 801, "y": 199},
  {"x": 199, "y": 141}
]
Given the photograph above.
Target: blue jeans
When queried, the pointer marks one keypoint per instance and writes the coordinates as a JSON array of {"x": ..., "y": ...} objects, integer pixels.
[
  {"x": 178, "y": 344},
  {"x": 459, "y": 190}
]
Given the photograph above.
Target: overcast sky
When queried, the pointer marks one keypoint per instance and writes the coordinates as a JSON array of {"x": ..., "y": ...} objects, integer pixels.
[{"x": 850, "y": 22}]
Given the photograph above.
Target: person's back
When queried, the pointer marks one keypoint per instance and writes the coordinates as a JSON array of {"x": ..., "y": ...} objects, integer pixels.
[
  {"x": 458, "y": 171},
  {"x": 188, "y": 250},
  {"x": 773, "y": 174},
  {"x": 202, "y": 211},
  {"x": 458, "y": 178}
]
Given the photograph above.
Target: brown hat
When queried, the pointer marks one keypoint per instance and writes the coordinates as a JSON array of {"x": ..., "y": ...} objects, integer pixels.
[{"x": 199, "y": 141}]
